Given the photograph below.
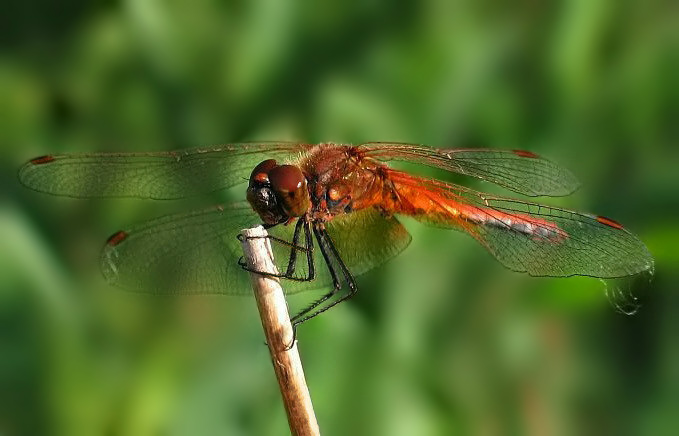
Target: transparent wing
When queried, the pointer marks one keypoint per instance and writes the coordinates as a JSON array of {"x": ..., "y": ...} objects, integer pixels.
[
  {"x": 156, "y": 175},
  {"x": 521, "y": 171},
  {"x": 189, "y": 253},
  {"x": 197, "y": 252},
  {"x": 528, "y": 237}
]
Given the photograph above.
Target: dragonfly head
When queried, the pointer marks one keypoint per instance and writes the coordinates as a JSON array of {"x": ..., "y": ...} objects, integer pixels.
[{"x": 278, "y": 192}]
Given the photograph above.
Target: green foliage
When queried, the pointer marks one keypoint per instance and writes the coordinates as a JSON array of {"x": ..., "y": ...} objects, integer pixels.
[{"x": 442, "y": 339}]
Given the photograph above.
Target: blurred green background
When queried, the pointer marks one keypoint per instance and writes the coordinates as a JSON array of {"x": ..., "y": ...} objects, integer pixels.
[{"x": 441, "y": 340}]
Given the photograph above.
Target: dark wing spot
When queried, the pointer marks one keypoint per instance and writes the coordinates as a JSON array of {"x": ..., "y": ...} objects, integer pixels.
[
  {"x": 116, "y": 238},
  {"x": 525, "y": 153},
  {"x": 609, "y": 222},
  {"x": 43, "y": 160}
]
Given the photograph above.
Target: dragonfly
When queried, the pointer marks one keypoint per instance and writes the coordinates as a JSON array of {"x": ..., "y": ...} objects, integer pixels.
[{"x": 335, "y": 205}]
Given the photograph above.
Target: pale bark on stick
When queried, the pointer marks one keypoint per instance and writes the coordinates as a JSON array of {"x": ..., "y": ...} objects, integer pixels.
[{"x": 273, "y": 311}]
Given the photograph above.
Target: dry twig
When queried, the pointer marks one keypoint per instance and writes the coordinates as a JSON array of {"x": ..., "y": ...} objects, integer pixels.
[{"x": 273, "y": 311}]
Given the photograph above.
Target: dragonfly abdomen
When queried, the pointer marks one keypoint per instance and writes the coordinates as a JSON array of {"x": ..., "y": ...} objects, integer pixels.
[{"x": 447, "y": 208}]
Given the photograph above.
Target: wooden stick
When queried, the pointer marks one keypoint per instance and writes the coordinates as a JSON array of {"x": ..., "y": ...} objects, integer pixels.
[{"x": 273, "y": 311}]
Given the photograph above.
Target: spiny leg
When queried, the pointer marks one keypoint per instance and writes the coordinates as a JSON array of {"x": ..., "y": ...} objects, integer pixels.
[
  {"x": 308, "y": 239},
  {"x": 302, "y": 224},
  {"x": 348, "y": 278},
  {"x": 330, "y": 255},
  {"x": 308, "y": 248},
  {"x": 301, "y": 316},
  {"x": 309, "y": 243},
  {"x": 281, "y": 241}
]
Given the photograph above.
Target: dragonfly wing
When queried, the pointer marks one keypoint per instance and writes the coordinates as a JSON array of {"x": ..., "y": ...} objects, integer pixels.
[
  {"x": 585, "y": 245},
  {"x": 197, "y": 252},
  {"x": 189, "y": 253},
  {"x": 529, "y": 237},
  {"x": 157, "y": 175},
  {"x": 518, "y": 170}
]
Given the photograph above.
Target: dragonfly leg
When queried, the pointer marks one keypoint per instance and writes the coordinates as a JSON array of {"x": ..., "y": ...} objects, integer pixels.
[
  {"x": 291, "y": 344},
  {"x": 281, "y": 241},
  {"x": 333, "y": 260},
  {"x": 293, "y": 340},
  {"x": 302, "y": 225},
  {"x": 292, "y": 259}
]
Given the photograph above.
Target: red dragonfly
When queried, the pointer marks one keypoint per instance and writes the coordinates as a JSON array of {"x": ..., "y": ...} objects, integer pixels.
[{"x": 345, "y": 197}]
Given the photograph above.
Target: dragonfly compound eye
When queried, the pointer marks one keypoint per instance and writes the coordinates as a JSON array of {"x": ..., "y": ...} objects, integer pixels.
[
  {"x": 261, "y": 172},
  {"x": 261, "y": 196},
  {"x": 290, "y": 186}
]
